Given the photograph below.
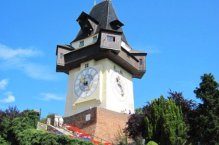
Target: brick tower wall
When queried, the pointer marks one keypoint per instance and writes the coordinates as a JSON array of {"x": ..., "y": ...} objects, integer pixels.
[{"x": 99, "y": 122}]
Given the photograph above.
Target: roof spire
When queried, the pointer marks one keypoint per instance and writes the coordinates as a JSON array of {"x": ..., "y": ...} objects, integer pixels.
[{"x": 101, "y": 17}]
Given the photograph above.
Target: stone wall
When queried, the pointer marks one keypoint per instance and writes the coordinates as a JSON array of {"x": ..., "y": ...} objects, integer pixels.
[
  {"x": 79, "y": 120},
  {"x": 110, "y": 124},
  {"x": 104, "y": 124}
]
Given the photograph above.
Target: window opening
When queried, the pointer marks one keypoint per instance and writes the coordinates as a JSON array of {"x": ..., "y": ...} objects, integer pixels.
[
  {"x": 86, "y": 65},
  {"x": 61, "y": 55},
  {"x": 81, "y": 44},
  {"x": 111, "y": 38},
  {"x": 94, "y": 39},
  {"x": 141, "y": 62}
]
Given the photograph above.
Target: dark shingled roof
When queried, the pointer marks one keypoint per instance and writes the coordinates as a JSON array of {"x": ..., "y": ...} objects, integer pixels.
[{"x": 104, "y": 14}]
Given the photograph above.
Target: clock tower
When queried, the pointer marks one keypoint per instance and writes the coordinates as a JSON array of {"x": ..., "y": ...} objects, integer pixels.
[{"x": 100, "y": 64}]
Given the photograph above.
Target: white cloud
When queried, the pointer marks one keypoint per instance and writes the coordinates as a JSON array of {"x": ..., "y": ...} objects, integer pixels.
[
  {"x": 10, "y": 98},
  {"x": 20, "y": 59},
  {"x": 34, "y": 70},
  {"x": 38, "y": 71},
  {"x": 9, "y": 53},
  {"x": 51, "y": 97},
  {"x": 3, "y": 84}
]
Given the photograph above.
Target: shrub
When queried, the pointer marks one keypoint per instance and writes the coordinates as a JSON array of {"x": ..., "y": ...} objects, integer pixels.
[
  {"x": 152, "y": 143},
  {"x": 3, "y": 141},
  {"x": 38, "y": 137},
  {"x": 19, "y": 128}
]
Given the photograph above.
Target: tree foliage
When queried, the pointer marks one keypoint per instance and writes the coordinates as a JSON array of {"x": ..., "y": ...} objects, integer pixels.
[
  {"x": 187, "y": 106},
  {"x": 3, "y": 141},
  {"x": 173, "y": 123},
  {"x": 139, "y": 111},
  {"x": 152, "y": 143},
  {"x": 136, "y": 126},
  {"x": 188, "y": 109},
  {"x": 162, "y": 122},
  {"x": 19, "y": 129},
  {"x": 14, "y": 122},
  {"x": 206, "y": 130},
  {"x": 12, "y": 112},
  {"x": 165, "y": 123},
  {"x": 37, "y": 137}
]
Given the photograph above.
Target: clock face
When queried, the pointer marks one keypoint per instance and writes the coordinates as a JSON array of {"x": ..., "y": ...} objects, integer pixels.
[
  {"x": 86, "y": 82},
  {"x": 118, "y": 85}
]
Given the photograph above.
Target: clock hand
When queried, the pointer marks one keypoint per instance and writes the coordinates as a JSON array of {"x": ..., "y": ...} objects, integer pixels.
[
  {"x": 121, "y": 88},
  {"x": 120, "y": 85},
  {"x": 122, "y": 92}
]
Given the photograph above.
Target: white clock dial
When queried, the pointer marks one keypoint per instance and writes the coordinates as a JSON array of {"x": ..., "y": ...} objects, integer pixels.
[
  {"x": 118, "y": 85},
  {"x": 86, "y": 82}
]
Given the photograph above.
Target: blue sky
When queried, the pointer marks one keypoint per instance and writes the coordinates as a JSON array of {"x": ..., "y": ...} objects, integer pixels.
[{"x": 181, "y": 38}]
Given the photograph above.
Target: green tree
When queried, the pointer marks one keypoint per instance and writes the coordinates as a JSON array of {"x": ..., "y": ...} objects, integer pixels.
[
  {"x": 18, "y": 128},
  {"x": 161, "y": 121},
  {"x": 38, "y": 137},
  {"x": 165, "y": 123},
  {"x": 139, "y": 111},
  {"x": 6, "y": 117},
  {"x": 5, "y": 125},
  {"x": 3, "y": 141},
  {"x": 207, "y": 113},
  {"x": 188, "y": 109},
  {"x": 187, "y": 106},
  {"x": 12, "y": 112},
  {"x": 13, "y": 126}
]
